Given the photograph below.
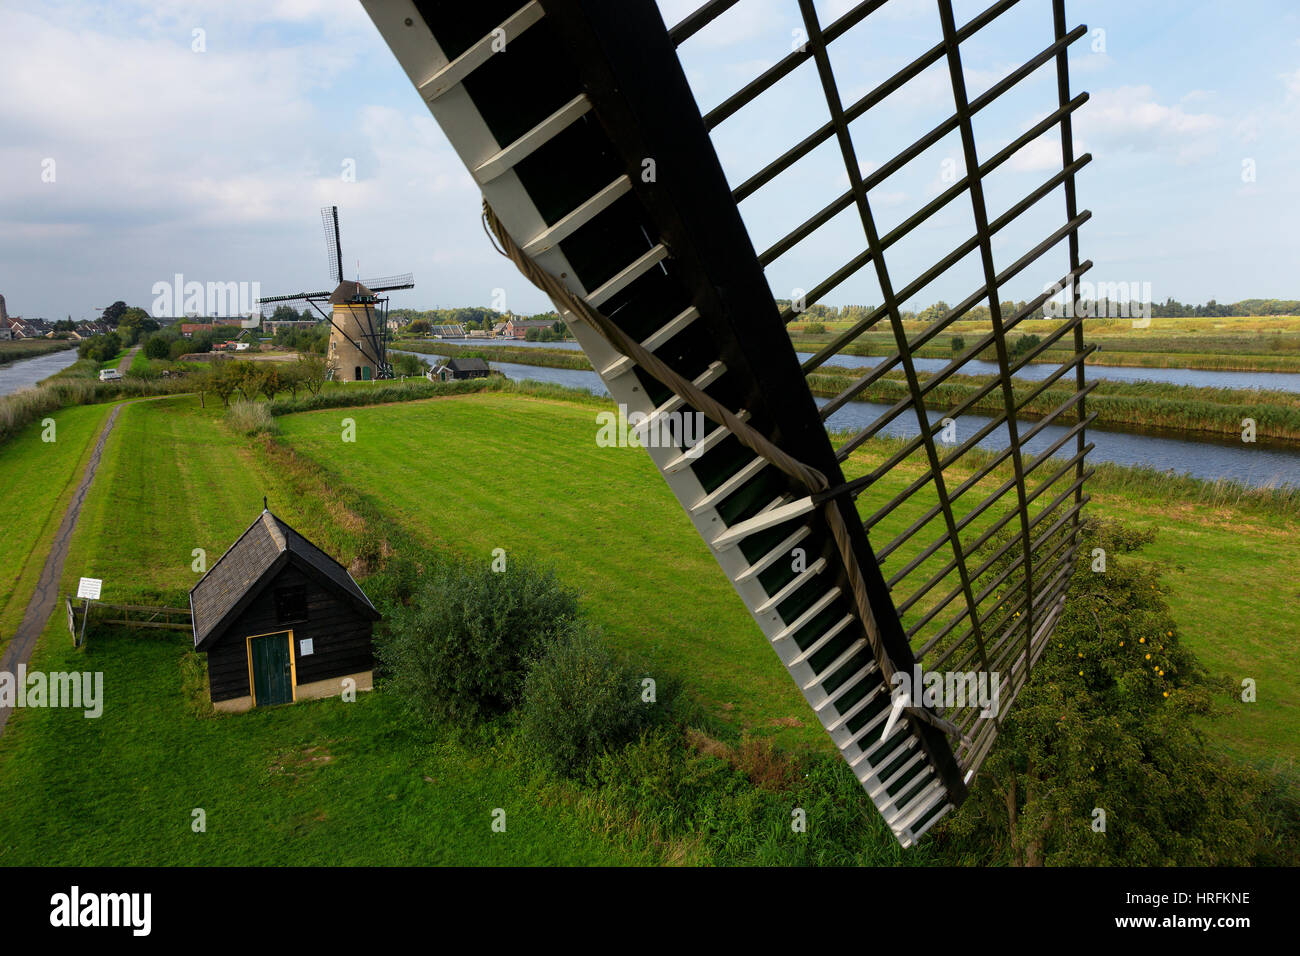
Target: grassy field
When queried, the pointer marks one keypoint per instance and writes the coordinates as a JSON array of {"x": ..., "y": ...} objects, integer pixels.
[
  {"x": 322, "y": 784},
  {"x": 39, "y": 478},
  {"x": 503, "y": 481},
  {"x": 294, "y": 770},
  {"x": 604, "y": 538},
  {"x": 172, "y": 479},
  {"x": 327, "y": 782},
  {"x": 479, "y": 451},
  {"x": 317, "y": 783}
]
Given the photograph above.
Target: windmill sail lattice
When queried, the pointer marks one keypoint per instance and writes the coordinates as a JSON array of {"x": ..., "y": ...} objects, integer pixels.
[{"x": 954, "y": 556}]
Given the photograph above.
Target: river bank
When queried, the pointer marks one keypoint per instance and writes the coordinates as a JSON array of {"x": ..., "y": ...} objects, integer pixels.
[
  {"x": 1250, "y": 465},
  {"x": 1197, "y": 413}
]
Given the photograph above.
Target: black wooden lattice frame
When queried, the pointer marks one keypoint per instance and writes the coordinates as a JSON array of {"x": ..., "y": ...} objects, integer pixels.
[
  {"x": 1021, "y": 611},
  {"x": 584, "y": 92}
]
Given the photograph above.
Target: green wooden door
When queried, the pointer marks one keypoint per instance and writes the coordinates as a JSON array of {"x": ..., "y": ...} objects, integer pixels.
[
  {"x": 272, "y": 674},
  {"x": 365, "y": 373}
]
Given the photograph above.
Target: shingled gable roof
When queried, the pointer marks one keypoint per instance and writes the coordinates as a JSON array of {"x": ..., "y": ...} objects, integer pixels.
[
  {"x": 468, "y": 365},
  {"x": 241, "y": 573}
]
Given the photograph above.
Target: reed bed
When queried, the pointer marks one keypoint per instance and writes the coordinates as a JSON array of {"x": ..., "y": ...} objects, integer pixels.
[
  {"x": 19, "y": 349},
  {"x": 1121, "y": 405}
]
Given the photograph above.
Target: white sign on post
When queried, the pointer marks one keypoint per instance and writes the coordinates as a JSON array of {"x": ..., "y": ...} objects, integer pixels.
[{"x": 90, "y": 588}]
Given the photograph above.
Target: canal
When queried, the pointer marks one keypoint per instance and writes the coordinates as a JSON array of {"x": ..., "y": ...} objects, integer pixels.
[
  {"x": 1254, "y": 465},
  {"x": 27, "y": 372}
]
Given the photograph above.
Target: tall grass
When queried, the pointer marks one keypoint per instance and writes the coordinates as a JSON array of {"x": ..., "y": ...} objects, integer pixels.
[
  {"x": 1235, "y": 352},
  {"x": 1123, "y": 405},
  {"x": 416, "y": 389},
  {"x": 353, "y": 395},
  {"x": 19, "y": 409},
  {"x": 250, "y": 418},
  {"x": 1126, "y": 480}
]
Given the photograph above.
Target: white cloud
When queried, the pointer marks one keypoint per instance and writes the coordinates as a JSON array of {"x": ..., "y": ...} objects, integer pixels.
[
  {"x": 169, "y": 160},
  {"x": 1131, "y": 119},
  {"x": 1133, "y": 112}
]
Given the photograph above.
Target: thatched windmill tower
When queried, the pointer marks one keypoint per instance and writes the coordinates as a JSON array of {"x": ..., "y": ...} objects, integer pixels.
[{"x": 358, "y": 313}]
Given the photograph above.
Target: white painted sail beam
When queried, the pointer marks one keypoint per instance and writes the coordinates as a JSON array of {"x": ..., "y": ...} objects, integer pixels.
[
  {"x": 534, "y": 139},
  {"x": 551, "y": 236},
  {"x": 761, "y": 522},
  {"x": 455, "y": 72}
]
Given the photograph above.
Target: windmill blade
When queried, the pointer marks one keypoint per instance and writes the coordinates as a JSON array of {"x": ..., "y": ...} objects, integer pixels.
[
  {"x": 390, "y": 283},
  {"x": 299, "y": 300},
  {"x": 296, "y": 297},
  {"x": 329, "y": 216},
  {"x": 318, "y": 301},
  {"x": 666, "y": 293}
]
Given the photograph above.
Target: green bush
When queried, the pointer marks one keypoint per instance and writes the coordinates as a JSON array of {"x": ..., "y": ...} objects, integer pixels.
[
  {"x": 815, "y": 328},
  {"x": 100, "y": 348},
  {"x": 409, "y": 365},
  {"x": 157, "y": 346},
  {"x": 458, "y": 645},
  {"x": 1023, "y": 344},
  {"x": 958, "y": 343},
  {"x": 580, "y": 700}
]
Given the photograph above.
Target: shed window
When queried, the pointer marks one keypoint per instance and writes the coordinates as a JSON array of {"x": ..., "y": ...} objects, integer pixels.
[{"x": 290, "y": 605}]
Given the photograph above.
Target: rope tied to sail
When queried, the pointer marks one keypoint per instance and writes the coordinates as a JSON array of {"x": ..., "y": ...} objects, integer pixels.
[{"x": 809, "y": 477}]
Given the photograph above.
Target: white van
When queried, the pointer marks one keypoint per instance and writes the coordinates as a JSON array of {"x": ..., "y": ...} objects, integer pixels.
[{"x": 109, "y": 375}]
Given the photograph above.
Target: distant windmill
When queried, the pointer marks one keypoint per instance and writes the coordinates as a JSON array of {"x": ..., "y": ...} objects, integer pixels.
[{"x": 358, "y": 313}]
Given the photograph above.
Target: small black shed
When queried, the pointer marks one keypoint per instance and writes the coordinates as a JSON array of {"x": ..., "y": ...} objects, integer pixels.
[
  {"x": 280, "y": 620},
  {"x": 459, "y": 368}
]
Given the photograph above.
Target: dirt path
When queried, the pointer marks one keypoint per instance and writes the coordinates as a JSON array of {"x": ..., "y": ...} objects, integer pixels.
[
  {"x": 46, "y": 595},
  {"x": 122, "y": 366}
]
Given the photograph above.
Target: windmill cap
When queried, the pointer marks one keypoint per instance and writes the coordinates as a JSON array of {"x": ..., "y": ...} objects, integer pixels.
[{"x": 347, "y": 291}]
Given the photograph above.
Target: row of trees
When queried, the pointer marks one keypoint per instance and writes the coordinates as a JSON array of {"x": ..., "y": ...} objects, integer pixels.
[
  {"x": 1170, "y": 308},
  {"x": 251, "y": 379},
  {"x": 471, "y": 317},
  {"x": 474, "y": 319},
  {"x": 315, "y": 339},
  {"x": 558, "y": 332},
  {"x": 168, "y": 343}
]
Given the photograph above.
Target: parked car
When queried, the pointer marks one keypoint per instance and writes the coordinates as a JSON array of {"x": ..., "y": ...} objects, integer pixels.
[{"x": 109, "y": 375}]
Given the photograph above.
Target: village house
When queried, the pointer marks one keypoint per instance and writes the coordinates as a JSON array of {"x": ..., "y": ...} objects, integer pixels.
[
  {"x": 518, "y": 328},
  {"x": 86, "y": 330},
  {"x": 20, "y": 328}
]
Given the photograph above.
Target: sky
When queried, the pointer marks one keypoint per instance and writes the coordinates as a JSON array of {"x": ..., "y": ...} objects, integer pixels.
[{"x": 141, "y": 141}]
